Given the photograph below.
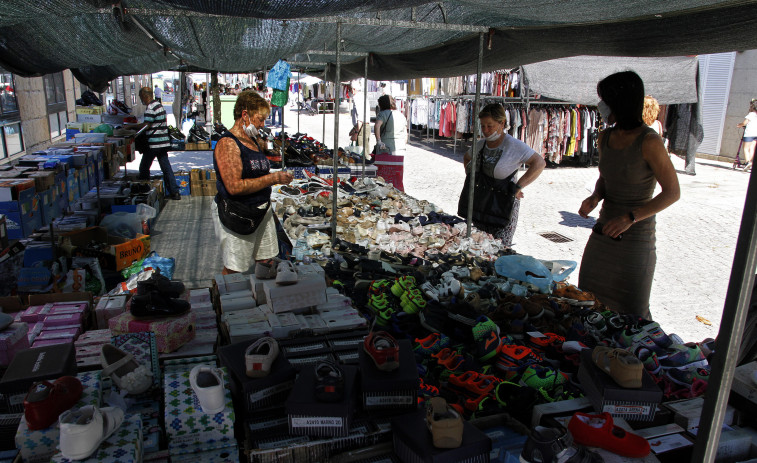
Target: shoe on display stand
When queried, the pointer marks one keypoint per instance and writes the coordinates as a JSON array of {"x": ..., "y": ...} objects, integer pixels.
[
  {"x": 552, "y": 445},
  {"x": 444, "y": 423},
  {"x": 383, "y": 349}
]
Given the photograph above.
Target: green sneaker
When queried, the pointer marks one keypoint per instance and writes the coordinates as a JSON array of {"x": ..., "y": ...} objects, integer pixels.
[
  {"x": 538, "y": 377},
  {"x": 486, "y": 337},
  {"x": 402, "y": 284}
]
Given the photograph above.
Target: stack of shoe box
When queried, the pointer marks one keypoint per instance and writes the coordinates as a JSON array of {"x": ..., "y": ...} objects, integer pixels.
[
  {"x": 206, "y": 327},
  {"x": 88, "y": 348},
  {"x": 190, "y": 430},
  {"x": 40, "y": 445}
]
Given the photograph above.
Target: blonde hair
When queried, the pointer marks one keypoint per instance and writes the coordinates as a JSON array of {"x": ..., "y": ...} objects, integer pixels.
[
  {"x": 651, "y": 110},
  {"x": 494, "y": 110},
  {"x": 251, "y": 101}
]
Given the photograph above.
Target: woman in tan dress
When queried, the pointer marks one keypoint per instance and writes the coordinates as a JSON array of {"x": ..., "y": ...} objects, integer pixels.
[{"x": 619, "y": 260}]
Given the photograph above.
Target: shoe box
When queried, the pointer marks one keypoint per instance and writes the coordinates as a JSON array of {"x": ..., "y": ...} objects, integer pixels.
[
  {"x": 688, "y": 412},
  {"x": 187, "y": 427},
  {"x": 346, "y": 346},
  {"x": 607, "y": 396},
  {"x": 396, "y": 390},
  {"x": 40, "y": 445},
  {"x": 35, "y": 364},
  {"x": 220, "y": 455},
  {"x": 744, "y": 387},
  {"x": 123, "y": 446},
  {"x": 12, "y": 340},
  {"x": 341, "y": 347},
  {"x": 309, "y": 291},
  {"x": 109, "y": 307},
  {"x": 257, "y": 393},
  {"x": 144, "y": 347},
  {"x": 308, "y": 416},
  {"x": 171, "y": 333},
  {"x": 413, "y": 442}
]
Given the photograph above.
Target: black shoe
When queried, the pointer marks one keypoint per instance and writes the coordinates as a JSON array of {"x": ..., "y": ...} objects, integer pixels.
[
  {"x": 155, "y": 304},
  {"x": 175, "y": 196},
  {"x": 161, "y": 284}
]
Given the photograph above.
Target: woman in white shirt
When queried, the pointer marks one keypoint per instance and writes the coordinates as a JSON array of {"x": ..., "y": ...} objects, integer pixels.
[
  {"x": 391, "y": 135},
  {"x": 749, "y": 139}
]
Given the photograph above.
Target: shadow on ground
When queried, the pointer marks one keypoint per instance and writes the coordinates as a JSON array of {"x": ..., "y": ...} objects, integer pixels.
[{"x": 571, "y": 219}]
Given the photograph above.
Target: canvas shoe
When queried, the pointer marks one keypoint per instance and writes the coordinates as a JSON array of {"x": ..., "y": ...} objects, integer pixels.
[
  {"x": 82, "y": 430},
  {"x": 259, "y": 357},
  {"x": 208, "y": 386},
  {"x": 657, "y": 335},
  {"x": 600, "y": 431},
  {"x": 286, "y": 274}
]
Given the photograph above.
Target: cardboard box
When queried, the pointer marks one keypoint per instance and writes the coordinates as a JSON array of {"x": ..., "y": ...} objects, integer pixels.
[
  {"x": 124, "y": 251},
  {"x": 308, "y": 416},
  {"x": 43, "y": 179},
  {"x": 91, "y": 118},
  {"x": 607, "y": 396},
  {"x": 90, "y": 110},
  {"x": 11, "y": 190},
  {"x": 394, "y": 390},
  {"x": 170, "y": 333},
  {"x": 3, "y": 232},
  {"x": 24, "y": 215},
  {"x": 208, "y": 188},
  {"x": 309, "y": 291},
  {"x": 12, "y": 340},
  {"x": 35, "y": 364},
  {"x": 200, "y": 146},
  {"x": 182, "y": 180}
]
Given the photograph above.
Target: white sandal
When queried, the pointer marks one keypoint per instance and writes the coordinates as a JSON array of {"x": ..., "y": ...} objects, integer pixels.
[{"x": 124, "y": 370}]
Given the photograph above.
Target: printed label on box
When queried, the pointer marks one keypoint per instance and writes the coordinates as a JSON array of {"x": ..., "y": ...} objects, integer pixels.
[
  {"x": 267, "y": 392},
  {"x": 627, "y": 409},
  {"x": 268, "y": 424},
  {"x": 282, "y": 443},
  {"x": 389, "y": 400},
  {"x": 318, "y": 421},
  {"x": 305, "y": 348}
]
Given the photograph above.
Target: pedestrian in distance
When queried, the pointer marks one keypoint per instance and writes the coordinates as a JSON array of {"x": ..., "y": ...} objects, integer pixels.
[
  {"x": 619, "y": 259},
  {"x": 749, "y": 139}
]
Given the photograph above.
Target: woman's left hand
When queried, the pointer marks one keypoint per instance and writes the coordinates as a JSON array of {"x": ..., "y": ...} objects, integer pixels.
[
  {"x": 519, "y": 194},
  {"x": 617, "y": 225}
]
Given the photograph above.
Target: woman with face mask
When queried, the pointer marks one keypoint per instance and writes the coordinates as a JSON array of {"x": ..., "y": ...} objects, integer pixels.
[
  {"x": 500, "y": 157},
  {"x": 619, "y": 260},
  {"x": 242, "y": 172}
]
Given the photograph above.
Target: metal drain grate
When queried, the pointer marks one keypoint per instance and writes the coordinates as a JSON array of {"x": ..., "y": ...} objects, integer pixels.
[{"x": 555, "y": 237}]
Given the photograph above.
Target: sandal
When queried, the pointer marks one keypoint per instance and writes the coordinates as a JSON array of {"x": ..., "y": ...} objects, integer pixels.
[
  {"x": 383, "y": 349},
  {"x": 124, "y": 370},
  {"x": 620, "y": 364},
  {"x": 329, "y": 382}
]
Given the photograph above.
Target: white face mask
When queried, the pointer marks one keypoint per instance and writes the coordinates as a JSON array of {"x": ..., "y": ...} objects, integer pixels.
[
  {"x": 493, "y": 136},
  {"x": 604, "y": 110},
  {"x": 251, "y": 130}
]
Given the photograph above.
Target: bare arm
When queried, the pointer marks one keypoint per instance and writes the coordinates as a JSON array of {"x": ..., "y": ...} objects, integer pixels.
[
  {"x": 656, "y": 155},
  {"x": 536, "y": 165},
  {"x": 590, "y": 203},
  {"x": 230, "y": 170},
  {"x": 377, "y": 130},
  {"x": 743, "y": 123}
]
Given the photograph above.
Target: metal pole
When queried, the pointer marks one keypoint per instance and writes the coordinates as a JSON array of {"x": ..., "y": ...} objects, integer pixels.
[
  {"x": 366, "y": 119},
  {"x": 428, "y": 116},
  {"x": 335, "y": 150},
  {"x": 318, "y": 106},
  {"x": 299, "y": 90},
  {"x": 729, "y": 337},
  {"x": 476, "y": 124},
  {"x": 454, "y": 143}
]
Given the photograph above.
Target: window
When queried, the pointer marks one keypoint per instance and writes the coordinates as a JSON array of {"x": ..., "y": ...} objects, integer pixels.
[
  {"x": 57, "y": 115},
  {"x": 11, "y": 139}
]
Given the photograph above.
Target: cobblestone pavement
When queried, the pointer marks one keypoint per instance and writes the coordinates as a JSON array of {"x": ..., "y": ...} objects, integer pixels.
[{"x": 696, "y": 237}]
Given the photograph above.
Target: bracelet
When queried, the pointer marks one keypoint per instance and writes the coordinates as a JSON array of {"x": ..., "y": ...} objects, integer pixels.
[{"x": 632, "y": 216}]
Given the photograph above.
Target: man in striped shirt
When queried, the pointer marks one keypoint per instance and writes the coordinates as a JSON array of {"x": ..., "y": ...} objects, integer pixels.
[{"x": 157, "y": 137}]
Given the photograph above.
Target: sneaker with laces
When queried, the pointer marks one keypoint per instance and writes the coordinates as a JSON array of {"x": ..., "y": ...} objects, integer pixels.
[
  {"x": 687, "y": 376},
  {"x": 513, "y": 359},
  {"x": 650, "y": 361},
  {"x": 486, "y": 337},
  {"x": 430, "y": 345}
]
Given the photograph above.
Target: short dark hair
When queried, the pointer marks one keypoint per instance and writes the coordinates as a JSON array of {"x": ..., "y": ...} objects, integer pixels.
[
  {"x": 624, "y": 94},
  {"x": 753, "y": 105},
  {"x": 386, "y": 102}
]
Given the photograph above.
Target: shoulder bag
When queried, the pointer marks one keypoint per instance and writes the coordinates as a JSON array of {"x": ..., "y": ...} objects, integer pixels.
[
  {"x": 493, "y": 199},
  {"x": 238, "y": 216}
]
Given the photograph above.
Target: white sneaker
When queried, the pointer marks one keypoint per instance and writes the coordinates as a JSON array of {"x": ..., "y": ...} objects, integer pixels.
[
  {"x": 207, "y": 383},
  {"x": 259, "y": 357},
  {"x": 82, "y": 430},
  {"x": 286, "y": 273}
]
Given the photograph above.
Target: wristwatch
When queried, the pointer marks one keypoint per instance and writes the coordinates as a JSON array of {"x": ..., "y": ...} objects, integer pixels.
[{"x": 633, "y": 217}]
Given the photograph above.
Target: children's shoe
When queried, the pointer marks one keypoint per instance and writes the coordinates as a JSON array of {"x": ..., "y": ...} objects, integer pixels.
[
  {"x": 514, "y": 359},
  {"x": 402, "y": 284},
  {"x": 383, "y": 349},
  {"x": 657, "y": 335},
  {"x": 683, "y": 356},
  {"x": 555, "y": 445},
  {"x": 445, "y": 424},
  {"x": 208, "y": 386},
  {"x": 687, "y": 376},
  {"x": 620, "y": 364},
  {"x": 45, "y": 401},
  {"x": 600, "y": 431},
  {"x": 486, "y": 337},
  {"x": 650, "y": 361},
  {"x": 537, "y": 377},
  {"x": 82, "y": 430},
  {"x": 431, "y": 344},
  {"x": 329, "y": 382},
  {"x": 286, "y": 274},
  {"x": 259, "y": 357}
]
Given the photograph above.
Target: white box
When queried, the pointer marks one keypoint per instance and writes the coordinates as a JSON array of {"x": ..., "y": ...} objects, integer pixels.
[
  {"x": 236, "y": 282},
  {"x": 234, "y": 304},
  {"x": 345, "y": 323},
  {"x": 309, "y": 291},
  {"x": 93, "y": 118},
  {"x": 282, "y": 324},
  {"x": 249, "y": 331},
  {"x": 688, "y": 412},
  {"x": 89, "y": 138}
]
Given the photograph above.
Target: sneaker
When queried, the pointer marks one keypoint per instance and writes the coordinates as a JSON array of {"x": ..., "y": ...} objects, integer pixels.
[
  {"x": 538, "y": 377},
  {"x": 687, "y": 355},
  {"x": 82, "y": 430},
  {"x": 620, "y": 364},
  {"x": 383, "y": 349},
  {"x": 513, "y": 359},
  {"x": 286, "y": 274},
  {"x": 259, "y": 357},
  {"x": 555, "y": 445},
  {"x": 402, "y": 284},
  {"x": 452, "y": 361},
  {"x": 329, "y": 382},
  {"x": 650, "y": 361},
  {"x": 600, "y": 431},
  {"x": 657, "y": 335},
  {"x": 444, "y": 423},
  {"x": 208, "y": 386},
  {"x": 486, "y": 337},
  {"x": 687, "y": 376},
  {"x": 430, "y": 345}
]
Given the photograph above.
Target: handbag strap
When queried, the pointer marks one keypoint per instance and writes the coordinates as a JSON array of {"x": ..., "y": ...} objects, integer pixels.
[{"x": 383, "y": 126}]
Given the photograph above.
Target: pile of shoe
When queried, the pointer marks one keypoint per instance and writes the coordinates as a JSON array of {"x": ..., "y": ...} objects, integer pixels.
[
  {"x": 198, "y": 134},
  {"x": 175, "y": 134},
  {"x": 158, "y": 297}
]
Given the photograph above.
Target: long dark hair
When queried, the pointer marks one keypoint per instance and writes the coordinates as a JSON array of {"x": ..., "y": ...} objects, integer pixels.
[
  {"x": 386, "y": 102},
  {"x": 624, "y": 94}
]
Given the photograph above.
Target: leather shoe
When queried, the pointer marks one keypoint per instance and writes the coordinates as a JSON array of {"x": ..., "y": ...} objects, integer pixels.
[
  {"x": 155, "y": 304},
  {"x": 158, "y": 282},
  {"x": 45, "y": 401}
]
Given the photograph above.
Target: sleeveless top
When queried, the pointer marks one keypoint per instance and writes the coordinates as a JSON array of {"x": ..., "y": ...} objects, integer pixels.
[
  {"x": 629, "y": 181},
  {"x": 254, "y": 165}
]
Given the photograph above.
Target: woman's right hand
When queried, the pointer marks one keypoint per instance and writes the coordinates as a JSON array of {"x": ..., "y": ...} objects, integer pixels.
[
  {"x": 283, "y": 177},
  {"x": 587, "y": 206}
]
